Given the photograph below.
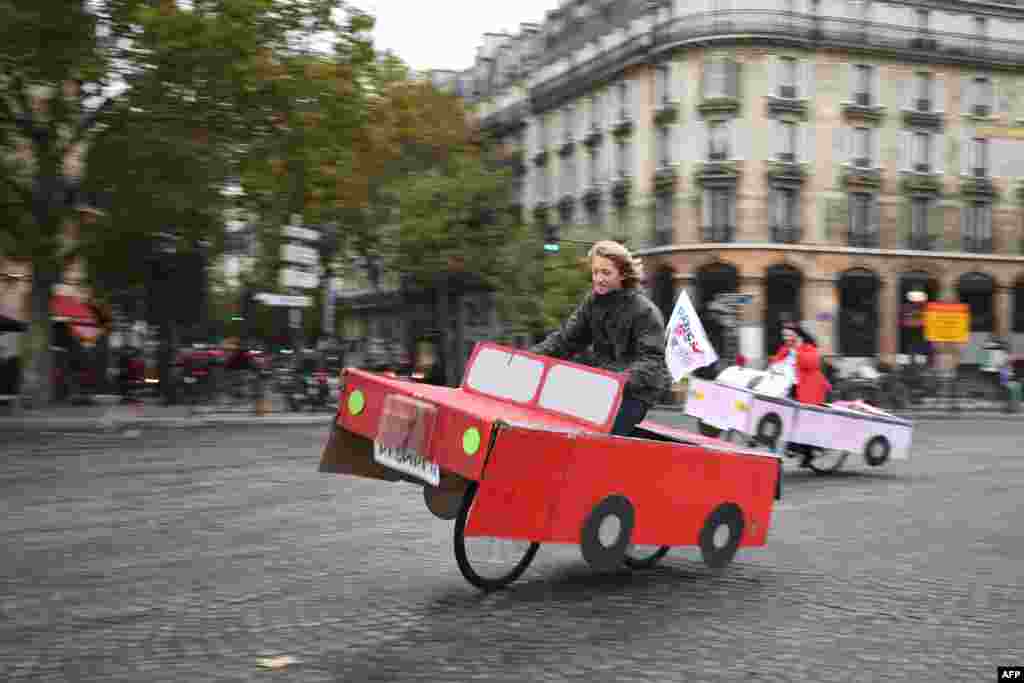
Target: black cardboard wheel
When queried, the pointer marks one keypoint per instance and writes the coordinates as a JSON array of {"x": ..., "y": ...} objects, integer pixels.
[
  {"x": 721, "y": 534},
  {"x": 769, "y": 428},
  {"x": 607, "y": 532},
  {"x": 876, "y": 453}
]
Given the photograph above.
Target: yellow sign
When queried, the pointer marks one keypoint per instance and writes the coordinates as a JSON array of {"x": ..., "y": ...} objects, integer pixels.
[
  {"x": 1015, "y": 133},
  {"x": 947, "y": 323}
]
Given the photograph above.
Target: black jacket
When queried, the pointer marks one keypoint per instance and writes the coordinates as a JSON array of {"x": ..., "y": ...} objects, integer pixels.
[{"x": 619, "y": 331}]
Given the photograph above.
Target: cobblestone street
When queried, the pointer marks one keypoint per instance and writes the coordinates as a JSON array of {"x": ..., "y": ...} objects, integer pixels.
[{"x": 188, "y": 554}]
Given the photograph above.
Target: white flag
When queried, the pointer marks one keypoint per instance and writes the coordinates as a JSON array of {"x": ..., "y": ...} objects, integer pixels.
[{"x": 688, "y": 347}]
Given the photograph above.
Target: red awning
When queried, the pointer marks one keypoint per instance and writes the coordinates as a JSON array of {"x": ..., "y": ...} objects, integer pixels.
[
  {"x": 80, "y": 317},
  {"x": 68, "y": 309}
]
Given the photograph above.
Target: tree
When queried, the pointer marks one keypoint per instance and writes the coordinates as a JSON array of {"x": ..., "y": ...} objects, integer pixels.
[{"x": 199, "y": 81}]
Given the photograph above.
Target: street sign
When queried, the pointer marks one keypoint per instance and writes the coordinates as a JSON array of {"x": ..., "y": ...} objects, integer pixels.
[
  {"x": 734, "y": 298},
  {"x": 300, "y": 234},
  {"x": 947, "y": 323},
  {"x": 283, "y": 300},
  {"x": 299, "y": 254},
  {"x": 299, "y": 279}
]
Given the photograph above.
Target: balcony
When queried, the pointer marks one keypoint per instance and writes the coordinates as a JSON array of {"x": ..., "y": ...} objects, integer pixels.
[
  {"x": 978, "y": 185},
  {"x": 793, "y": 28},
  {"x": 666, "y": 114},
  {"x": 566, "y": 206},
  {"x": 592, "y": 197},
  {"x": 716, "y": 172},
  {"x": 921, "y": 242},
  {"x": 593, "y": 138},
  {"x": 540, "y": 159},
  {"x": 665, "y": 179},
  {"x": 864, "y": 108},
  {"x": 977, "y": 245},
  {"x": 786, "y": 234},
  {"x": 920, "y": 182},
  {"x": 623, "y": 127},
  {"x": 721, "y": 105},
  {"x": 861, "y": 176},
  {"x": 567, "y": 148},
  {"x": 782, "y": 104},
  {"x": 718, "y": 233},
  {"x": 785, "y": 172},
  {"x": 923, "y": 116},
  {"x": 863, "y": 239}
]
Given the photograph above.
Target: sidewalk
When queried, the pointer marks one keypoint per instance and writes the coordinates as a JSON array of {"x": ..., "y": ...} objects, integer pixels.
[{"x": 108, "y": 413}]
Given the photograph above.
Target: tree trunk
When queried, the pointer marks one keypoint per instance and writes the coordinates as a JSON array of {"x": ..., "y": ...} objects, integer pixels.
[{"x": 39, "y": 374}]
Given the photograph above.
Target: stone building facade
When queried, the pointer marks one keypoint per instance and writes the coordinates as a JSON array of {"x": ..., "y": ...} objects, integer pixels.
[{"x": 826, "y": 156}]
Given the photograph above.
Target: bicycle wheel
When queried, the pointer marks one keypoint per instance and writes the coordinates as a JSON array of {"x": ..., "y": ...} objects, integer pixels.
[
  {"x": 486, "y": 562},
  {"x": 644, "y": 556},
  {"x": 826, "y": 460}
]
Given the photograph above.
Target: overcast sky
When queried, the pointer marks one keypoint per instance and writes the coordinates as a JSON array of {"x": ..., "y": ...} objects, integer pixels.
[{"x": 444, "y": 34}]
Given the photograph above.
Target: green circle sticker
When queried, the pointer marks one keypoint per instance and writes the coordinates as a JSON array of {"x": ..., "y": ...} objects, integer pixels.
[
  {"x": 471, "y": 440},
  {"x": 356, "y": 402}
]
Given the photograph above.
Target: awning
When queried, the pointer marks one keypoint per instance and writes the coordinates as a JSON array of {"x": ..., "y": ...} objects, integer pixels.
[{"x": 80, "y": 317}]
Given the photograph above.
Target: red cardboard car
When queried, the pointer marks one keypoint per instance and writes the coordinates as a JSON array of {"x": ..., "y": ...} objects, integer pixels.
[{"x": 521, "y": 453}]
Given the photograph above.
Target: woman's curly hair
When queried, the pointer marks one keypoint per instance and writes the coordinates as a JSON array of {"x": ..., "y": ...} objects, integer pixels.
[{"x": 630, "y": 267}]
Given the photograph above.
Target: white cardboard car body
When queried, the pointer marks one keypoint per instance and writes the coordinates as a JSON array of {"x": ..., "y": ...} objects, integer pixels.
[{"x": 755, "y": 403}]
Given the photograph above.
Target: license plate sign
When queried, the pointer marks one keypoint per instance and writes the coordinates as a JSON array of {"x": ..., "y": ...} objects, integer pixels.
[
  {"x": 403, "y": 438},
  {"x": 407, "y": 461}
]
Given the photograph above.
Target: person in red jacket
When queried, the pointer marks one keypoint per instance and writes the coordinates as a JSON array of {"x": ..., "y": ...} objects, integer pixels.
[{"x": 799, "y": 355}]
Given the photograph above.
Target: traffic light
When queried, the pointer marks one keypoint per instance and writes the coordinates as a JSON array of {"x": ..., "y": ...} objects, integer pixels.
[{"x": 551, "y": 238}]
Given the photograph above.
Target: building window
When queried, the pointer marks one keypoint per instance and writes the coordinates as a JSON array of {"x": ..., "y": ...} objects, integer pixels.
[
  {"x": 568, "y": 173},
  {"x": 624, "y": 109},
  {"x": 662, "y": 85},
  {"x": 664, "y": 146},
  {"x": 785, "y": 214},
  {"x": 977, "y": 227},
  {"x": 594, "y": 217},
  {"x": 922, "y": 152},
  {"x": 787, "y": 77},
  {"x": 622, "y": 169},
  {"x": 980, "y": 28},
  {"x": 979, "y": 157},
  {"x": 718, "y": 141},
  {"x": 920, "y": 237},
  {"x": 863, "y": 220},
  {"x": 862, "y": 147},
  {"x": 924, "y": 91},
  {"x": 981, "y": 104},
  {"x": 719, "y": 214},
  {"x": 716, "y": 84},
  {"x": 789, "y": 132},
  {"x": 594, "y": 167},
  {"x": 663, "y": 218},
  {"x": 923, "y": 20},
  {"x": 863, "y": 91}
]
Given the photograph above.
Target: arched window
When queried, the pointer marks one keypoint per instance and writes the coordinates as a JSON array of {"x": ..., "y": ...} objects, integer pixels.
[
  {"x": 714, "y": 279},
  {"x": 858, "y": 313},
  {"x": 912, "y": 312},
  {"x": 977, "y": 290},
  {"x": 782, "y": 285}
]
